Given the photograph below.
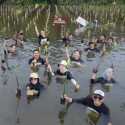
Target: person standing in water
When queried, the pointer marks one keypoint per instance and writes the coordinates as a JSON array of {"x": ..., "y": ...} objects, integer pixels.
[
  {"x": 36, "y": 61},
  {"x": 76, "y": 56},
  {"x": 19, "y": 38},
  {"x": 95, "y": 102},
  {"x": 34, "y": 87},
  {"x": 106, "y": 78},
  {"x": 62, "y": 72},
  {"x": 42, "y": 38}
]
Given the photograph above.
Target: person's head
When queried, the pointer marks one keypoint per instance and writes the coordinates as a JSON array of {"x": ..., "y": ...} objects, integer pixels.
[
  {"x": 110, "y": 40},
  {"x": 13, "y": 49},
  {"x": 63, "y": 66},
  {"x": 109, "y": 72},
  {"x": 98, "y": 97},
  {"x": 76, "y": 55},
  {"x": 42, "y": 33},
  {"x": 91, "y": 45},
  {"x": 36, "y": 54},
  {"x": 102, "y": 38},
  {"x": 34, "y": 78},
  {"x": 21, "y": 32}
]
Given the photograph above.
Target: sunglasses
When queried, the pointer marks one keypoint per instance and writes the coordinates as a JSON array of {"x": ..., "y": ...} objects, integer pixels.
[{"x": 98, "y": 97}]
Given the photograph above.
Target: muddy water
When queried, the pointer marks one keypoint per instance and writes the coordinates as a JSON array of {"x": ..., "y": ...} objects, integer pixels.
[{"x": 46, "y": 109}]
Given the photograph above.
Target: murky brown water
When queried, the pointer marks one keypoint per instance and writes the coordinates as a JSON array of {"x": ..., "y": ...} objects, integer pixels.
[{"x": 45, "y": 110}]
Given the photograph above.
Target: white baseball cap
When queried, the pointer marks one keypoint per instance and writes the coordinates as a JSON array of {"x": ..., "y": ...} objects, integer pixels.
[
  {"x": 34, "y": 75},
  {"x": 63, "y": 62},
  {"x": 99, "y": 92}
]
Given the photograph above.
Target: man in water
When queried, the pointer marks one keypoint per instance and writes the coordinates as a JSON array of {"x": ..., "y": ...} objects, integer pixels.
[
  {"x": 62, "y": 72},
  {"x": 19, "y": 38},
  {"x": 36, "y": 61},
  {"x": 34, "y": 86},
  {"x": 76, "y": 57},
  {"x": 106, "y": 78},
  {"x": 42, "y": 38},
  {"x": 67, "y": 39},
  {"x": 9, "y": 47},
  {"x": 94, "y": 101}
]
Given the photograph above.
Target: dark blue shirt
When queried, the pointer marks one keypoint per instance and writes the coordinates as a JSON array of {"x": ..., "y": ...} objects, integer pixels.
[
  {"x": 88, "y": 101},
  {"x": 36, "y": 87},
  {"x": 40, "y": 37},
  {"x": 40, "y": 60},
  {"x": 67, "y": 74},
  {"x": 78, "y": 61}
]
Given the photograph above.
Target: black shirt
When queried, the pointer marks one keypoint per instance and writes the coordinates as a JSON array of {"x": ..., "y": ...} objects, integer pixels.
[
  {"x": 36, "y": 87},
  {"x": 67, "y": 74},
  {"x": 66, "y": 41},
  {"x": 88, "y": 101},
  {"x": 77, "y": 61},
  {"x": 40, "y": 60},
  {"x": 40, "y": 38},
  {"x": 93, "y": 50}
]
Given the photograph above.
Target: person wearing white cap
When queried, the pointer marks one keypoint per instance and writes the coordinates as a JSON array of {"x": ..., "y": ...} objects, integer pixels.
[
  {"x": 106, "y": 78},
  {"x": 62, "y": 72},
  {"x": 94, "y": 101},
  {"x": 34, "y": 86}
]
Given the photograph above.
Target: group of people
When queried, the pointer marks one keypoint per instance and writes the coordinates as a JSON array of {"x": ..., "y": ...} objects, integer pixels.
[{"x": 96, "y": 99}]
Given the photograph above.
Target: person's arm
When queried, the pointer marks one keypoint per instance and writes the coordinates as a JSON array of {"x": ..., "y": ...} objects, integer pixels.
[
  {"x": 36, "y": 29},
  {"x": 70, "y": 77},
  {"x": 83, "y": 101},
  {"x": 68, "y": 56},
  {"x": 107, "y": 114},
  {"x": 32, "y": 63},
  {"x": 46, "y": 63}
]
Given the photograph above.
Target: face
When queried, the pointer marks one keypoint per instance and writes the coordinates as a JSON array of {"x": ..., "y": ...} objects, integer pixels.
[
  {"x": 13, "y": 49},
  {"x": 42, "y": 33},
  {"x": 98, "y": 100},
  {"x": 110, "y": 40},
  {"x": 62, "y": 68},
  {"x": 91, "y": 45},
  {"x": 34, "y": 81},
  {"x": 76, "y": 55},
  {"x": 102, "y": 38},
  {"x": 36, "y": 55}
]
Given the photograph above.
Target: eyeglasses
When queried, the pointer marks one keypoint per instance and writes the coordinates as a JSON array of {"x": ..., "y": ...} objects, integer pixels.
[{"x": 98, "y": 97}]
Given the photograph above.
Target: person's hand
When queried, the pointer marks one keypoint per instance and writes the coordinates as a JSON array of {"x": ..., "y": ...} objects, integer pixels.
[
  {"x": 35, "y": 92},
  {"x": 77, "y": 87},
  {"x": 68, "y": 99},
  {"x": 109, "y": 123},
  {"x": 34, "y": 61},
  {"x": 29, "y": 92}
]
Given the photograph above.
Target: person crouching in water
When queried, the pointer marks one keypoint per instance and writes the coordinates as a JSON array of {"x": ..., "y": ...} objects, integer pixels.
[
  {"x": 62, "y": 72},
  {"x": 95, "y": 102},
  {"x": 36, "y": 61},
  {"x": 10, "y": 47},
  {"x": 106, "y": 78},
  {"x": 34, "y": 87},
  {"x": 76, "y": 57}
]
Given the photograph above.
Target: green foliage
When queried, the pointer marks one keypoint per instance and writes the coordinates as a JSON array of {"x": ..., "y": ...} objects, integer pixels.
[{"x": 67, "y": 2}]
